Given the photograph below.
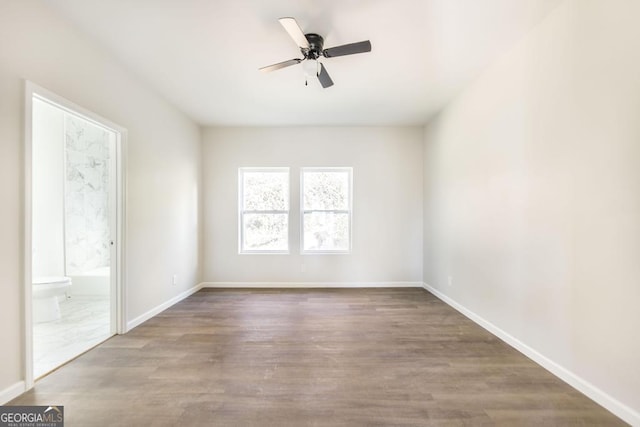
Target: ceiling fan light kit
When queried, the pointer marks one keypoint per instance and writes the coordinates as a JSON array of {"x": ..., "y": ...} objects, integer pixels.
[{"x": 311, "y": 46}]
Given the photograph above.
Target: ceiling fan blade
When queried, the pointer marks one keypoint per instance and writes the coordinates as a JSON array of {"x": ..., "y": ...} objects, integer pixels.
[
  {"x": 348, "y": 49},
  {"x": 324, "y": 78},
  {"x": 294, "y": 31},
  {"x": 280, "y": 65}
]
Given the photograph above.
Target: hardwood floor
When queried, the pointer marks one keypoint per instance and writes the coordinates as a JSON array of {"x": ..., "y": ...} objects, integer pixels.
[{"x": 311, "y": 357}]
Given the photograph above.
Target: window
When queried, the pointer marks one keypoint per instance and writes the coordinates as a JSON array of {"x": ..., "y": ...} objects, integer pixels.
[
  {"x": 264, "y": 210},
  {"x": 326, "y": 210}
]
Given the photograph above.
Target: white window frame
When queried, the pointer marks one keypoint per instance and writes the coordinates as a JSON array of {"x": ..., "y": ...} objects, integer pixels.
[
  {"x": 242, "y": 212},
  {"x": 349, "y": 211}
]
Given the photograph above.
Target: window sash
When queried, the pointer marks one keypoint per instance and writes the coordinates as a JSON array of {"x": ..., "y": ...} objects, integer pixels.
[
  {"x": 264, "y": 212},
  {"x": 337, "y": 211},
  {"x": 332, "y": 235},
  {"x": 242, "y": 213},
  {"x": 305, "y": 212},
  {"x": 284, "y": 237}
]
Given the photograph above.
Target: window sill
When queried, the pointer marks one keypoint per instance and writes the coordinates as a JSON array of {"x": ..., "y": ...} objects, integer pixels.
[
  {"x": 325, "y": 253},
  {"x": 264, "y": 253}
]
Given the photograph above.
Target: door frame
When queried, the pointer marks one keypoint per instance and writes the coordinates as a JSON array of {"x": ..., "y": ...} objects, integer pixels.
[{"x": 118, "y": 282}]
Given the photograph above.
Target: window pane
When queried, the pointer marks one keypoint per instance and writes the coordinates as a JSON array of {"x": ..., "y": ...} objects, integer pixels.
[
  {"x": 265, "y": 191},
  {"x": 326, "y": 190},
  {"x": 326, "y": 231},
  {"x": 265, "y": 232}
]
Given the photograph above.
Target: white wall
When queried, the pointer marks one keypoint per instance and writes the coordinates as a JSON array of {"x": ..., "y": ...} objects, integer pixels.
[
  {"x": 532, "y": 196},
  {"x": 387, "y": 206},
  {"x": 163, "y": 168},
  {"x": 48, "y": 190}
]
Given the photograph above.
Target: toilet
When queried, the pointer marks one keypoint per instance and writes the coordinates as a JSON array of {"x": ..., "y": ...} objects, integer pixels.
[{"x": 47, "y": 291}]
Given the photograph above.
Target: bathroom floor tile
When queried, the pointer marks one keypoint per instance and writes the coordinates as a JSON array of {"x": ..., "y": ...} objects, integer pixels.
[{"x": 85, "y": 322}]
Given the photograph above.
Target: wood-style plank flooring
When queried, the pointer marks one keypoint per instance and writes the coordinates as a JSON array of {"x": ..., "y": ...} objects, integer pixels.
[{"x": 311, "y": 357}]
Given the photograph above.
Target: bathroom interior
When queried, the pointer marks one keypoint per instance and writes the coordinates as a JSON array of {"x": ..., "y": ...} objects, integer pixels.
[{"x": 72, "y": 218}]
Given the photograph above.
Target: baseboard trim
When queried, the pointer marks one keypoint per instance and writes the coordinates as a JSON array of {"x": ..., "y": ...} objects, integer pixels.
[
  {"x": 312, "y": 284},
  {"x": 11, "y": 392},
  {"x": 162, "y": 307},
  {"x": 618, "y": 408}
]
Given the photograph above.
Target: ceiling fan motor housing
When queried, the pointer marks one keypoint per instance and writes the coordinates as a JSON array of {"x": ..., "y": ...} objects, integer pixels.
[{"x": 315, "y": 46}]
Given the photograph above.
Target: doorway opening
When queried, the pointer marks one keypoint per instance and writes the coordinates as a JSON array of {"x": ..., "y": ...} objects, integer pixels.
[{"x": 74, "y": 236}]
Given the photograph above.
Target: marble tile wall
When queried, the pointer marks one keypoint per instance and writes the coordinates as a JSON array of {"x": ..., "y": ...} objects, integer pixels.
[{"x": 86, "y": 196}]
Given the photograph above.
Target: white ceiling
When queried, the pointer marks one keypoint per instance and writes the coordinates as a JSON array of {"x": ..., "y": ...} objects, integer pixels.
[{"x": 203, "y": 55}]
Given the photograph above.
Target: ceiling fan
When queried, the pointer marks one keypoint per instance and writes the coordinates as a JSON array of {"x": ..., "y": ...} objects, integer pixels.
[{"x": 311, "y": 46}]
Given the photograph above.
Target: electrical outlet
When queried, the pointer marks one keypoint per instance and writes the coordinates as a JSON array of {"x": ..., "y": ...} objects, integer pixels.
[
  {"x": 175, "y": 280},
  {"x": 302, "y": 268},
  {"x": 450, "y": 281}
]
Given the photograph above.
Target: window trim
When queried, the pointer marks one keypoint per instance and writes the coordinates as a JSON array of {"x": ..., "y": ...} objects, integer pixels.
[
  {"x": 349, "y": 211},
  {"x": 241, "y": 212}
]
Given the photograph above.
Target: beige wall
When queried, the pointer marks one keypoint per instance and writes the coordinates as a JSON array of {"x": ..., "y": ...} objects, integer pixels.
[
  {"x": 532, "y": 195},
  {"x": 163, "y": 165},
  {"x": 387, "y": 206}
]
